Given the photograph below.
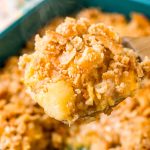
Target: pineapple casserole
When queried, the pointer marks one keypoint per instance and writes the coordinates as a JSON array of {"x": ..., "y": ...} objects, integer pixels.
[
  {"x": 80, "y": 69},
  {"x": 25, "y": 126}
]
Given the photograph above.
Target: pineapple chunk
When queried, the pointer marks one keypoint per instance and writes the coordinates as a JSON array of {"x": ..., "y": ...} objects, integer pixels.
[
  {"x": 58, "y": 101},
  {"x": 131, "y": 83}
]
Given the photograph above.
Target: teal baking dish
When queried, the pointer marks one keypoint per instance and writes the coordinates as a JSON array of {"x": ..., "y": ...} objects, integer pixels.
[{"x": 14, "y": 37}]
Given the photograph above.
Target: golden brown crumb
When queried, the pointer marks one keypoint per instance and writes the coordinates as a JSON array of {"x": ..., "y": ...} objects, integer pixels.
[{"x": 80, "y": 68}]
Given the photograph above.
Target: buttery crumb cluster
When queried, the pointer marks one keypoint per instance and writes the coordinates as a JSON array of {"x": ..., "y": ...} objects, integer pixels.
[{"x": 80, "y": 68}]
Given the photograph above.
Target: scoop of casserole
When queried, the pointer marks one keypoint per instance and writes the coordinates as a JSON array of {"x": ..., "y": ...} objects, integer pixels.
[{"x": 80, "y": 69}]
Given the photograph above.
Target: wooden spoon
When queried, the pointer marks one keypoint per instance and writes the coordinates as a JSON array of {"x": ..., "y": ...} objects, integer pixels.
[{"x": 141, "y": 45}]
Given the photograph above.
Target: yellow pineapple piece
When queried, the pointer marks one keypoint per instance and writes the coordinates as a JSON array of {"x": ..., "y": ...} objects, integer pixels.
[{"x": 58, "y": 101}]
